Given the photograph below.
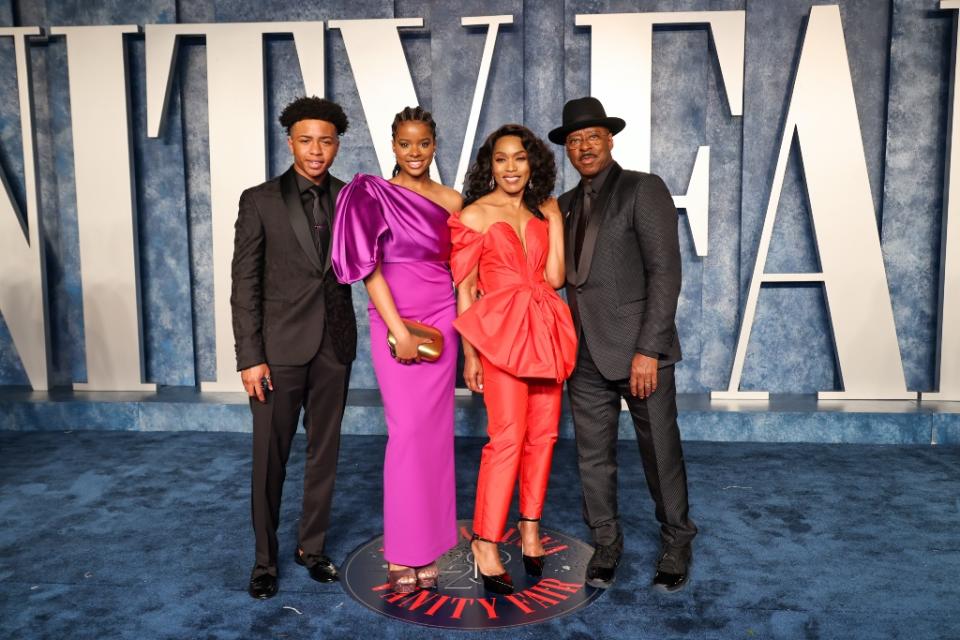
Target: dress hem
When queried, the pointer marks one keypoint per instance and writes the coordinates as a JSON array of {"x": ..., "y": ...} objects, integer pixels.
[{"x": 425, "y": 559}]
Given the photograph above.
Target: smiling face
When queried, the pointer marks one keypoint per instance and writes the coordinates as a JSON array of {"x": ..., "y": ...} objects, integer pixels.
[
  {"x": 510, "y": 165},
  {"x": 589, "y": 150},
  {"x": 414, "y": 146},
  {"x": 314, "y": 144}
]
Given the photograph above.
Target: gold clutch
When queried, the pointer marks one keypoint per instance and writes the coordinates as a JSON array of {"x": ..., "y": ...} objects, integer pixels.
[{"x": 429, "y": 351}]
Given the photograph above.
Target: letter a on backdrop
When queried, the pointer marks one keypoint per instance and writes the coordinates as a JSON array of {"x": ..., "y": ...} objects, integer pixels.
[{"x": 823, "y": 114}]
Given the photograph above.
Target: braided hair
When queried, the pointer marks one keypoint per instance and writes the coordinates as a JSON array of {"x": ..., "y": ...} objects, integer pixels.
[{"x": 412, "y": 114}]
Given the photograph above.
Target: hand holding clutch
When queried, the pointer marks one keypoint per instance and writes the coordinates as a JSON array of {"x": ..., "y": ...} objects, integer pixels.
[{"x": 428, "y": 351}]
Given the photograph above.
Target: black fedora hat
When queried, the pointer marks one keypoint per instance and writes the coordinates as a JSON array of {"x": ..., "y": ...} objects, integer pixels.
[{"x": 582, "y": 113}]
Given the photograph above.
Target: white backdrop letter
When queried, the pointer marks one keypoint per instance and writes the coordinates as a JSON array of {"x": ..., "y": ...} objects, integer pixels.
[
  {"x": 621, "y": 41},
  {"x": 948, "y": 336},
  {"x": 238, "y": 146},
  {"x": 823, "y": 113},
  {"x": 23, "y": 288},
  {"x": 106, "y": 218}
]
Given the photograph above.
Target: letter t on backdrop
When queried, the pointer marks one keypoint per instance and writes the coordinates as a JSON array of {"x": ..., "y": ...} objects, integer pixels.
[
  {"x": 106, "y": 216},
  {"x": 238, "y": 143}
]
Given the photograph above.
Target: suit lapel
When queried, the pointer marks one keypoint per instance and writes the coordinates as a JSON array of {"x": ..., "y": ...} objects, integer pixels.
[
  {"x": 593, "y": 225},
  {"x": 297, "y": 217}
]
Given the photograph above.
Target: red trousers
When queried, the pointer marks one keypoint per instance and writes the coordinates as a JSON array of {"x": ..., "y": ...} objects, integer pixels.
[{"x": 522, "y": 422}]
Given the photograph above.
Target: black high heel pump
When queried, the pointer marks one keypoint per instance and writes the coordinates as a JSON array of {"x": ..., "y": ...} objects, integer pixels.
[
  {"x": 533, "y": 565},
  {"x": 500, "y": 584}
]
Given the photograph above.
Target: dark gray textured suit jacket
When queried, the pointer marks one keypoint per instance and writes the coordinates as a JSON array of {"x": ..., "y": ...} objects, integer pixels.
[
  {"x": 624, "y": 292},
  {"x": 282, "y": 295}
]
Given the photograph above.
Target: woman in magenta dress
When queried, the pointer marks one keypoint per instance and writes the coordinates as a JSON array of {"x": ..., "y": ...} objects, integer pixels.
[{"x": 393, "y": 235}]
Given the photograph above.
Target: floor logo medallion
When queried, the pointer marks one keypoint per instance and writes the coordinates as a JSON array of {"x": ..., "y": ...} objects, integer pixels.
[{"x": 460, "y": 601}]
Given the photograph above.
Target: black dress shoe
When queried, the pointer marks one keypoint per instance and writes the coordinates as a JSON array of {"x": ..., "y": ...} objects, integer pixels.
[
  {"x": 262, "y": 587},
  {"x": 321, "y": 570},
  {"x": 673, "y": 568},
  {"x": 532, "y": 565},
  {"x": 602, "y": 567}
]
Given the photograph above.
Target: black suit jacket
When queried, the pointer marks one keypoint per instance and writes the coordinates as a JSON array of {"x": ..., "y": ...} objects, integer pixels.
[
  {"x": 624, "y": 292},
  {"x": 282, "y": 296}
]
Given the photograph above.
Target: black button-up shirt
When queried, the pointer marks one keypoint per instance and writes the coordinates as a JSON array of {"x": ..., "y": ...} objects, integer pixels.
[{"x": 596, "y": 182}]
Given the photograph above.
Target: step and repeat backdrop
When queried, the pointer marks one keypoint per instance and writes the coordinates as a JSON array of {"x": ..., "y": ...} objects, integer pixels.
[{"x": 807, "y": 146}]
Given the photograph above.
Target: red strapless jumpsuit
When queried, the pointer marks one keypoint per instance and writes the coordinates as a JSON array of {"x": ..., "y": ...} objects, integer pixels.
[{"x": 524, "y": 334}]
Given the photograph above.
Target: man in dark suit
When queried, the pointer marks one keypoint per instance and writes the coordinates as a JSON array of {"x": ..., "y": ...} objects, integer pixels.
[
  {"x": 296, "y": 335},
  {"x": 623, "y": 282}
]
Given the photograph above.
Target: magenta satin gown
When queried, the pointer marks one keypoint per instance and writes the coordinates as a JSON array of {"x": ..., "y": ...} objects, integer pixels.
[{"x": 381, "y": 223}]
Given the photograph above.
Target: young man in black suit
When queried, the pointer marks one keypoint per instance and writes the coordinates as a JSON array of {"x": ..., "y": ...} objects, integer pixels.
[
  {"x": 296, "y": 335},
  {"x": 623, "y": 282}
]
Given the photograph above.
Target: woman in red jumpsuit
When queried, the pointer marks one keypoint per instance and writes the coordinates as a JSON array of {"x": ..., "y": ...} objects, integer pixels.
[{"x": 518, "y": 337}]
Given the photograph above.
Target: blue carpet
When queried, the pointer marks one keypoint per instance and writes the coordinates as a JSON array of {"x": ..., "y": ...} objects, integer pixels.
[{"x": 147, "y": 535}]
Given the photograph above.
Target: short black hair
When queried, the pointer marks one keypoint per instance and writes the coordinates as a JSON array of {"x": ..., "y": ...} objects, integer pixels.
[{"x": 314, "y": 108}]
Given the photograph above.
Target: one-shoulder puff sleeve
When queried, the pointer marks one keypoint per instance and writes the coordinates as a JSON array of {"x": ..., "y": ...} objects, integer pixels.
[
  {"x": 358, "y": 231},
  {"x": 465, "y": 252}
]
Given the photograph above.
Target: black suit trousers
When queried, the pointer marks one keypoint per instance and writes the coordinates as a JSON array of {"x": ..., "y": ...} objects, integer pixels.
[
  {"x": 595, "y": 403},
  {"x": 319, "y": 387}
]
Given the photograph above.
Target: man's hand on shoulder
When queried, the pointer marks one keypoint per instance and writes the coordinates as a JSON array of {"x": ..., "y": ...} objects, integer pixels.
[
  {"x": 255, "y": 379},
  {"x": 643, "y": 376}
]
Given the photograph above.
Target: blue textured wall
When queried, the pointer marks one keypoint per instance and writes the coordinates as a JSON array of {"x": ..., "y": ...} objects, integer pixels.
[{"x": 899, "y": 56}]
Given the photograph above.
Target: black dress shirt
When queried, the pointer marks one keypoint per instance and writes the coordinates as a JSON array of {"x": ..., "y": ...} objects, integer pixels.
[{"x": 596, "y": 182}]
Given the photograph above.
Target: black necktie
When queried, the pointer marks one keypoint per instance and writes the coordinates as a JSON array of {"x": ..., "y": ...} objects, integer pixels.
[
  {"x": 583, "y": 220},
  {"x": 321, "y": 236}
]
